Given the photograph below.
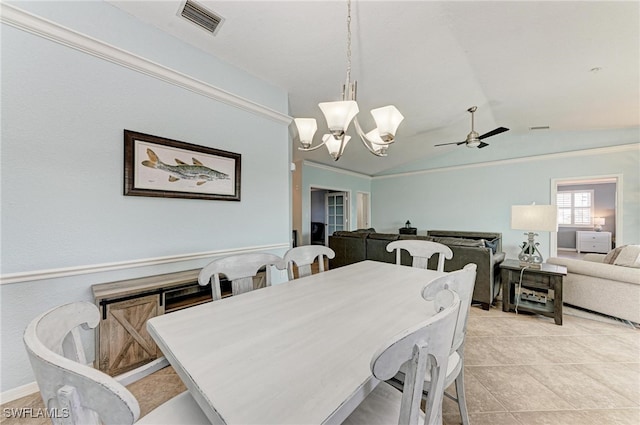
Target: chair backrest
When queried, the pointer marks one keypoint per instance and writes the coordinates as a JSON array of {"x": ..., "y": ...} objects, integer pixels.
[
  {"x": 304, "y": 256},
  {"x": 421, "y": 251},
  {"x": 72, "y": 391},
  {"x": 462, "y": 283},
  {"x": 240, "y": 270},
  {"x": 425, "y": 349}
]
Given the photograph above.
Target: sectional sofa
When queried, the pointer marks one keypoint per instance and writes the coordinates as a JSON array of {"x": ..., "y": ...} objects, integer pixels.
[{"x": 482, "y": 248}]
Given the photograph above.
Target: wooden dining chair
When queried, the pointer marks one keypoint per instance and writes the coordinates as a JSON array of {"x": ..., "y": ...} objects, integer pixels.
[
  {"x": 304, "y": 256},
  {"x": 462, "y": 283},
  {"x": 75, "y": 393},
  {"x": 240, "y": 269},
  {"x": 425, "y": 350},
  {"x": 421, "y": 251}
]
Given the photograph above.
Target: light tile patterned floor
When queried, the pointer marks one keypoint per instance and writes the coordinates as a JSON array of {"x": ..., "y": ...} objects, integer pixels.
[
  {"x": 525, "y": 370},
  {"x": 520, "y": 370}
]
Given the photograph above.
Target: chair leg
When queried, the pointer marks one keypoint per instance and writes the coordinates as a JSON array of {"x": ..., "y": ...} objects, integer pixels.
[{"x": 462, "y": 402}]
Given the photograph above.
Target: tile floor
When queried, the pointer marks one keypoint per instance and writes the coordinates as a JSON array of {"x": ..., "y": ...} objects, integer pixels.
[
  {"x": 525, "y": 370},
  {"x": 520, "y": 370}
]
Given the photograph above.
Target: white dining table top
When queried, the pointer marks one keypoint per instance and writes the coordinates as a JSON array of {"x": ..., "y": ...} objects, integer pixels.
[{"x": 293, "y": 353}]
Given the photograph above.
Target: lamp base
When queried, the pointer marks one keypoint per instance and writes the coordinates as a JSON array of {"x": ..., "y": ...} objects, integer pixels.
[{"x": 530, "y": 256}]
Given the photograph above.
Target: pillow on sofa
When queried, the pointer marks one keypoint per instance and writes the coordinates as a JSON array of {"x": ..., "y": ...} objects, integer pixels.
[
  {"x": 610, "y": 258},
  {"x": 629, "y": 256},
  {"x": 493, "y": 244}
]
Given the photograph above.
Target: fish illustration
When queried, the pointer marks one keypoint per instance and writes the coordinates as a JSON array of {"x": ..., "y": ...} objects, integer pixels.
[{"x": 197, "y": 171}]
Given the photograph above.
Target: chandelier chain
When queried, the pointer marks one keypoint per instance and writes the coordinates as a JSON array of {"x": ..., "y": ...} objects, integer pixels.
[{"x": 348, "y": 45}]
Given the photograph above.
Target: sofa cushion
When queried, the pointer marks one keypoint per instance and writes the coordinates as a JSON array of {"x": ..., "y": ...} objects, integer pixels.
[
  {"x": 459, "y": 241},
  {"x": 346, "y": 234},
  {"x": 384, "y": 236},
  {"x": 629, "y": 256}
]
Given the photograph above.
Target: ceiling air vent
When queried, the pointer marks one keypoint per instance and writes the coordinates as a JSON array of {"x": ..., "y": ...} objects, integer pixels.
[{"x": 201, "y": 16}]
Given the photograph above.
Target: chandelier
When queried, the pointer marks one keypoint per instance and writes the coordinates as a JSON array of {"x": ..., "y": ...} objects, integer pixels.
[{"x": 339, "y": 115}]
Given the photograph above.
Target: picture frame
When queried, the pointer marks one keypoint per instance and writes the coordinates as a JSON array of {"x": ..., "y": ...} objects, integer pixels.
[{"x": 160, "y": 167}]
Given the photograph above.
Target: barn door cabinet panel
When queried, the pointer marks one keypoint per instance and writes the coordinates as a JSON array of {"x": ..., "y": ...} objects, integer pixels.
[{"x": 122, "y": 341}]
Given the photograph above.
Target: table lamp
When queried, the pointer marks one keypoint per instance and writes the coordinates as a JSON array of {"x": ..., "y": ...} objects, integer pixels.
[
  {"x": 532, "y": 218},
  {"x": 598, "y": 222}
]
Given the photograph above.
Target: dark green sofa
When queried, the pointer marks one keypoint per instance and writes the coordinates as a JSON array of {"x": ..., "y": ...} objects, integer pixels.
[{"x": 467, "y": 247}]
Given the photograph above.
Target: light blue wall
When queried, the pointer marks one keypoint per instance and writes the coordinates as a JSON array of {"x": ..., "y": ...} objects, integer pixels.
[
  {"x": 318, "y": 176},
  {"x": 63, "y": 115},
  {"x": 479, "y": 196}
]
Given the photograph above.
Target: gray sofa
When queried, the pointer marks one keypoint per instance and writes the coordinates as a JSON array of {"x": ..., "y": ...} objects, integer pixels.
[{"x": 482, "y": 248}]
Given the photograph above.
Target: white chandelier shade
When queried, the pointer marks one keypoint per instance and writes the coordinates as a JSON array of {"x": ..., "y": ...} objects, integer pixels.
[
  {"x": 377, "y": 144},
  {"x": 387, "y": 118},
  {"x": 335, "y": 146},
  {"x": 306, "y": 129},
  {"x": 339, "y": 115}
]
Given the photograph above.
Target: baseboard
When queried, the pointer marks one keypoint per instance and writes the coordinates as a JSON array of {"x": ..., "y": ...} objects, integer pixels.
[{"x": 19, "y": 392}]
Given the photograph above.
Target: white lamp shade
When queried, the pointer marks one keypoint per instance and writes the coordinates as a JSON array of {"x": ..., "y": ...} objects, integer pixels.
[
  {"x": 387, "y": 118},
  {"x": 377, "y": 144},
  {"x": 335, "y": 146},
  {"x": 473, "y": 144},
  {"x": 306, "y": 129},
  {"x": 543, "y": 218},
  {"x": 599, "y": 221},
  {"x": 339, "y": 114}
]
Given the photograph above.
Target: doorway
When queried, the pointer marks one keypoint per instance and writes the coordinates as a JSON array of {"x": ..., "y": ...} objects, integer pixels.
[
  {"x": 329, "y": 213},
  {"x": 337, "y": 209},
  {"x": 364, "y": 210},
  {"x": 587, "y": 204}
]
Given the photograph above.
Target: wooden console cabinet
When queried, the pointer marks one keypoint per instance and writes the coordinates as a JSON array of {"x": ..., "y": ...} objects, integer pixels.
[{"x": 122, "y": 341}]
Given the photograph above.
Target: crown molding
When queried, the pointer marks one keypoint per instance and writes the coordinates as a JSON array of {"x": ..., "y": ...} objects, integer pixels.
[
  {"x": 585, "y": 152},
  {"x": 145, "y": 262},
  {"x": 52, "y": 31}
]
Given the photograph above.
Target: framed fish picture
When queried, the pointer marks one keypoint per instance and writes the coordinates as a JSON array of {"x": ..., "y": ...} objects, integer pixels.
[{"x": 165, "y": 168}]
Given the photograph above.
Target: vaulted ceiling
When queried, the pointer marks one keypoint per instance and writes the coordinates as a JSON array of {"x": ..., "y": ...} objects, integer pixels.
[{"x": 567, "y": 65}]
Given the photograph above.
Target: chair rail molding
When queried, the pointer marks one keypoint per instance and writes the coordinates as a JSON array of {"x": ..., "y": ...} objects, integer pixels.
[
  {"x": 23, "y": 20},
  {"x": 30, "y": 276}
]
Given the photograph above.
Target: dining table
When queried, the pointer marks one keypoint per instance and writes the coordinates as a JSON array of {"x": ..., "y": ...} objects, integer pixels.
[{"x": 297, "y": 352}]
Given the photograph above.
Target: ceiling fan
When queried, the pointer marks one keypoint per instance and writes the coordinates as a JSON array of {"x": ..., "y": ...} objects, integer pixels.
[{"x": 474, "y": 140}]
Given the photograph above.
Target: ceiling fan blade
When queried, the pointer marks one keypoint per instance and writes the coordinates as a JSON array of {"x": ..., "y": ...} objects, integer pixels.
[
  {"x": 493, "y": 132},
  {"x": 483, "y": 145},
  {"x": 445, "y": 144}
]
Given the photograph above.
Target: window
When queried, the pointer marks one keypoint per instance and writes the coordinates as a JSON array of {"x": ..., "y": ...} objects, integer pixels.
[{"x": 575, "y": 208}]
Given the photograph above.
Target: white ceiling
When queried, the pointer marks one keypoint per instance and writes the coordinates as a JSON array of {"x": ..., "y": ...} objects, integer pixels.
[{"x": 523, "y": 64}]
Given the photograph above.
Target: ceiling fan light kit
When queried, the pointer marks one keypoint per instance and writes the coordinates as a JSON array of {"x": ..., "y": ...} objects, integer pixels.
[{"x": 340, "y": 114}]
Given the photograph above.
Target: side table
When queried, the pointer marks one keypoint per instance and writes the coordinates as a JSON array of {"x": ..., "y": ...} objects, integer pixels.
[{"x": 541, "y": 289}]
